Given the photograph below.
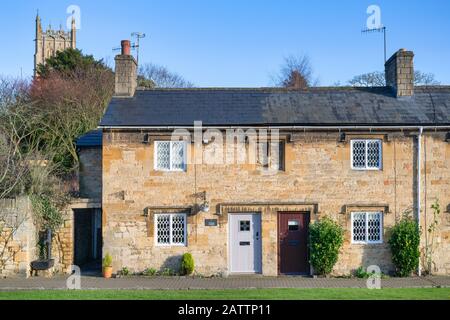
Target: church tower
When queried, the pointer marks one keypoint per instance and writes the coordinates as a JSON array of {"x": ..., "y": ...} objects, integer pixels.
[
  {"x": 73, "y": 33},
  {"x": 49, "y": 42}
]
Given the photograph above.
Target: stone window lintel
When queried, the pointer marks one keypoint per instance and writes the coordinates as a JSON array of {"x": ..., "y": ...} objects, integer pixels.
[
  {"x": 157, "y": 210},
  {"x": 347, "y": 209}
]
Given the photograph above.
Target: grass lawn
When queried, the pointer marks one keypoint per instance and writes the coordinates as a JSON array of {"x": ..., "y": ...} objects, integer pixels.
[{"x": 268, "y": 294}]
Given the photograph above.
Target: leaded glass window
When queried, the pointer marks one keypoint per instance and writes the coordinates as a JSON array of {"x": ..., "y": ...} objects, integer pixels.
[
  {"x": 163, "y": 155},
  {"x": 170, "y": 229},
  {"x": 170, "y": 155},
  {"x": 367, "y": 227},
  {"x": 163, "y": 229},
  {"x": 366, "y": 154}
]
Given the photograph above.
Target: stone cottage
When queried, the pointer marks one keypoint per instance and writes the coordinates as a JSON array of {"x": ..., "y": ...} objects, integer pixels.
[{"x": 236, "y": 175}]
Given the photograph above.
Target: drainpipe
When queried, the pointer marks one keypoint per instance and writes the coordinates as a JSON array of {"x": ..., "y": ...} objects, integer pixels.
[{"x": 419, "y": 163}]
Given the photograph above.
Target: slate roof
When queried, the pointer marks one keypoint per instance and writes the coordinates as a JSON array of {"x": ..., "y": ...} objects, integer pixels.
[
  {"x": 91, "y": 139},
  {"x": 318, "y": 106}
]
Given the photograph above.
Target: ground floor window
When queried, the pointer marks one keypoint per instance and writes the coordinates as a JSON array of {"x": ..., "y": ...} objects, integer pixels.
[
  {"x": 170, "y": 229},
  {"x": 367, "y": 227}
]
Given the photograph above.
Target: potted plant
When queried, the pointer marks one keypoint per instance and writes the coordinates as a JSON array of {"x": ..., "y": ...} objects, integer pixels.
[{"x": 107, "y": 266}]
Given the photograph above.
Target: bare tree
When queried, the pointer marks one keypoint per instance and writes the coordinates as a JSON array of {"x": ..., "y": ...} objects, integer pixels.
[
  {"x": 372, "y": 79},
  {"x": 425, "y": 79},
  {"x": 11, "y": 90},
  {"x": 295, "y": 72},
  {"x": 13, "y": 166},
  {"x": 377, "y": 79},
  {"x": 155, "y": 76}
]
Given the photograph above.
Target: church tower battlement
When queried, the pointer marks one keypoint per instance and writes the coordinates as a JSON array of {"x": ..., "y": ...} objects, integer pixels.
[{"x": 49, "y": 42}]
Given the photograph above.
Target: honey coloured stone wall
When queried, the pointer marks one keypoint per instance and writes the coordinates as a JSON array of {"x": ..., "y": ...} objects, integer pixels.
[
  {"x": 317, "y": 177},
  {"x": 17, "y": 237},
  {"x": 436, "y": 185},
  {"x": 62, "y": 246}
]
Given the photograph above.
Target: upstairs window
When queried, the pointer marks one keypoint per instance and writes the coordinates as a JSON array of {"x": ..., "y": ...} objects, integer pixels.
[
  {"x": 170, "y": 155},
  {"x": 367, "y": 227},
  {"x": 366, "y": 154},
  {"x": 267, "y": 159}
]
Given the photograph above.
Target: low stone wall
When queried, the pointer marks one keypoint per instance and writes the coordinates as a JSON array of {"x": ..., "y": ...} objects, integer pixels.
[{"x": 17, "y": 237}]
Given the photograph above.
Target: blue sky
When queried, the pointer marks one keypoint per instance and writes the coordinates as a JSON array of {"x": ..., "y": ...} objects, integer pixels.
[{"x": 239, "y": 43}]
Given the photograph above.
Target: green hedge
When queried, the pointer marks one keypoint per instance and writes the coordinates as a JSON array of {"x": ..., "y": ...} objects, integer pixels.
[
  {"x": 326, "y": 238},
  {"x": 404, "y": 243}
]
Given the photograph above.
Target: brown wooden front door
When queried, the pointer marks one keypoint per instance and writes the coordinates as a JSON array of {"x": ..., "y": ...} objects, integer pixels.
[{"x": 292, "y": 242}]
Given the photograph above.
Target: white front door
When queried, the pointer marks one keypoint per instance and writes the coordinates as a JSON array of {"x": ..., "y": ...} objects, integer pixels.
[{"x": 245, "y": 242}]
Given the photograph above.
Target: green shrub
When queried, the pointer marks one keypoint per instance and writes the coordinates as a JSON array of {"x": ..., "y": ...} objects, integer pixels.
[
  {"x": 46, "y": 212},
  {"x": 150, "y": 272},
  {"x": 404, "y": 243},
  {"x": 124, "y": 271},
  {"x": 167, "y": 272},
  {"x": 326, "y": 238},
  {"x": 362, "y": 273},
  {"x": 107, "y": 260},
  {"x": 187, "y": 264}
]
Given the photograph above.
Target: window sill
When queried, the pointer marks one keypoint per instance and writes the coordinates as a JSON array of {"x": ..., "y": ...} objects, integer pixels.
[
  {"x": 364, "y": 244},
  {"x": 170, "y": 245}
]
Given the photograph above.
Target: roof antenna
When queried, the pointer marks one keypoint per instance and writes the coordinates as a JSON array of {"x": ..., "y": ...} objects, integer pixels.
[
  {"x": 373, "y": 24},
  {"x": 134, "y": 46},
  {"x": 138, "y": 36},
  {"x": 380, "y": 29}
]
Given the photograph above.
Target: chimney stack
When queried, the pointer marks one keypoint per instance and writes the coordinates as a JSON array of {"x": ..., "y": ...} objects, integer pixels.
[
  {"x": 399, "y": 72},
  {"x": 126, "y": 72}
]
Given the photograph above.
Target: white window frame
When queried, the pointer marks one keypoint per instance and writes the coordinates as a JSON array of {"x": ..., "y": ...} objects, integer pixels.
[
  {"x": 171, "y": 243},
  {"x": 171, "y": 169},
  {"x": 366, "y": 167},
  {"x": 366, "y": 227}
]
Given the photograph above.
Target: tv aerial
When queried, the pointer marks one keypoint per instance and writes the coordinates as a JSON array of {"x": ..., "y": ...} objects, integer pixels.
[
  {"x": 379, "y": 29},
  {"x": 134, "y": 45},
  {"x": 138, "y": 36}
]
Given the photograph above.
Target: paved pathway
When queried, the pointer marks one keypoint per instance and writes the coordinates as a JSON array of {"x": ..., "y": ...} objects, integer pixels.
[{"x": 178, "y": 283}]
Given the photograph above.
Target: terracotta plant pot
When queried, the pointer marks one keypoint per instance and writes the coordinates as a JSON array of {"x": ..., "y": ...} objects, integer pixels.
[{"x": 107, "y": 272}]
